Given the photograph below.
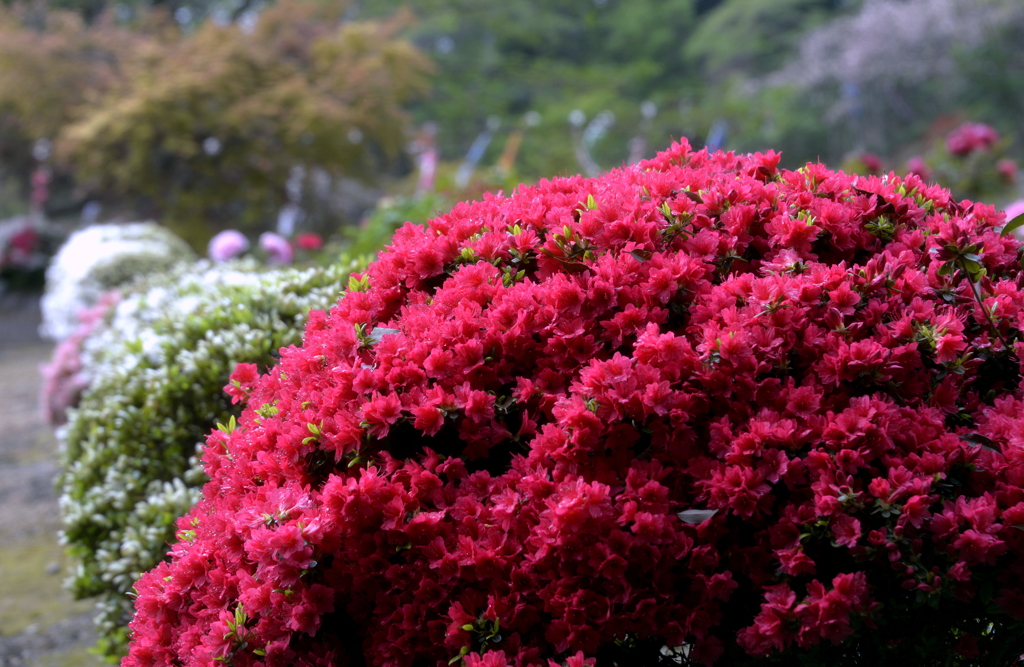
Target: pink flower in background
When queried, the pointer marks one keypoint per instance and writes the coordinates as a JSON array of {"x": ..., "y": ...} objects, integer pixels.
[
  {"x": 1014, "y": 209},
  {"x": 20, "y": 249},
  {"x": 26, "y": 240},
  {"x": 309, "y": 241},
  {"x": 872, "y": 163},
  {"x": 227, "y": 245},
  {"x": 971, "y": 137},
  {"x": 917, "y": 165},
  {"x": 1007, "y": 168},
  {"x": 278, "y": 250},
  {"x": 62, "y": 376}
]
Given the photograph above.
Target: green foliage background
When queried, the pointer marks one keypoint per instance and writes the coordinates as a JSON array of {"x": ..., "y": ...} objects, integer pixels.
[
  {"x": 293, "y": 90},
  {"x": 133, "y": 93}
]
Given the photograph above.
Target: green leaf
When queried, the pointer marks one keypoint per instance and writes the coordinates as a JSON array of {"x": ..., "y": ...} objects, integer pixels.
[
  {"x": 229, "y": 427},
  {"x": 358, "y": 284},
  {"x": 379, "y": 333},
  {"x": 696, "y": 516},
  {"x": 1012, "y": 225},
  {"x": 978, "y": 440},
  {"x": 572, "y": 267}
]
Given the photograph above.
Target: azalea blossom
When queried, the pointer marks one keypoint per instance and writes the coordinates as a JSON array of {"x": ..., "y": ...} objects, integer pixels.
[
  {"x": 309, "y": 241},
  {"x": 971, "y": 137},
  {"x": 701, "y": 407},
  {"x": 279, "y": 251},
  {"x": 227, "y": 245}
]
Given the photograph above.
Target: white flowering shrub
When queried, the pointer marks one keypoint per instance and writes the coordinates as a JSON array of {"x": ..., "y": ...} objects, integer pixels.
[
  {"x": 155, "y": 376},
  {"x": 99, "y": 258}
]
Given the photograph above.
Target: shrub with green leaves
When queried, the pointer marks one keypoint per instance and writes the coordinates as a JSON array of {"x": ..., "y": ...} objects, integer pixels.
[{"x": 155, "y": 377}]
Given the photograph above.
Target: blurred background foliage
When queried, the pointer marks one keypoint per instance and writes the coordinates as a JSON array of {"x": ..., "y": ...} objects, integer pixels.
[
  {"x": 303, "y": 114},
  {"x": 209, "y": 123}
]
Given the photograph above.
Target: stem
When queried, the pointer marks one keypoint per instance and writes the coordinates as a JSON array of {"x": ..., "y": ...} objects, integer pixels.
[{"x": 976, "y": 290}]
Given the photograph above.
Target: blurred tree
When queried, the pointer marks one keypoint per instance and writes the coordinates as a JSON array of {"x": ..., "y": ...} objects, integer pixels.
[
  {"x": 550, "y": 57},
  {"x": 209, "y": 124},
  {"x": 890, "y": 69},
  {"x": 211, "y": 114},
  {"x": 52, "y": 63},
  {"x": 993, "y": 72},
  {"x": 187, "y": 13},
  {"x": 753, "y": 36}
]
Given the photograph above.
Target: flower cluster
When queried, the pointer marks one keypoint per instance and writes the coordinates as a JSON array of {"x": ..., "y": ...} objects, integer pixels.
[
  {"x": 227, "y": 245},
  {"x": 63, "y": 377},
  {"x": 971, "y": 162},
  {"x": 279, "y": 251},
  {"x": 970, "y": 138},
  {"x": 916, "y": 165},
  {"x": 699, "y": 410},
  {"x": 274, "y": 248},
  {"x": 26, "y": 246},
  {"x": 151, "y": 374},
  {"x": 864, "y": 163},
  {"x": 99, "y": 258}
]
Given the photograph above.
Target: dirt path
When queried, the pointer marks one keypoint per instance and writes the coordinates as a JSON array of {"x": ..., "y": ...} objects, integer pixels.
[{"x": 39, "y": 622}]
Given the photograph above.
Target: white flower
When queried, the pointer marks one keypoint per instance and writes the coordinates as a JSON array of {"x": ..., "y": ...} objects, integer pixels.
[
  {"x": 97, "y": 259},
  {"x": 155, "y": 376}
]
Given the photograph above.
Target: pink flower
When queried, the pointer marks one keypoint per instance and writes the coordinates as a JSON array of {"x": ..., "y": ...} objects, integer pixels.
[
  {"x": 279, "y": 251},
  {"x": 63, "y": 382},
  {"x": 227, "y": 245},
  {"x": 846, "y": 531},
  {"x": 381, "y": 412},
  {"x": 1007, "y": 169},
  {"x": 971, "y": 137},
  {"x": 872, "y": 163},
  {"x": 489, "y": 659},
  {"x": 25, "y": 241},
  {"x": 309, "y": 241},
  {"x": 1014, "y": 209},
  {"x": 916, "y": 165}
]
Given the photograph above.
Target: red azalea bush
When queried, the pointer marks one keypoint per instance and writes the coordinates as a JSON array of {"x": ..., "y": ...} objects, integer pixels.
[{"x": 699, "y": 410}]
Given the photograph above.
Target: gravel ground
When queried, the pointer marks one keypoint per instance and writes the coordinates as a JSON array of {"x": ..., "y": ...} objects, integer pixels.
[{"x": 39, "y": 622}]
